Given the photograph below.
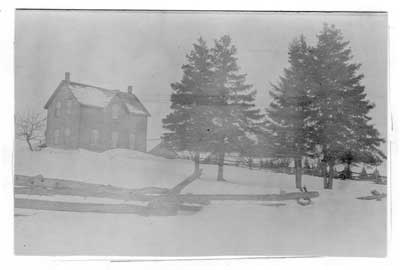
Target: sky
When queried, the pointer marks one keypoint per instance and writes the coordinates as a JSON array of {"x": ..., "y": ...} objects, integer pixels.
[{"x": 114, "y": 49}]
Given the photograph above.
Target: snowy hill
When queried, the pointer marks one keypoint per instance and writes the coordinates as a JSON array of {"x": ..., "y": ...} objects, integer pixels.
[
  {"x": 131, "y": 169},
  {"x": 335, "y": 224}
]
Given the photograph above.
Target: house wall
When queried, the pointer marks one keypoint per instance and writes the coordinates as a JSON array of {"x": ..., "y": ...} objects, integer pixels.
[
  {"x": 125, "y": 125},
  {"x": 92, "y": 119},
  {"x": 64, "y": 121},
  {"x": 101, "y": 120},
  {"x": 84, "y": 119}
]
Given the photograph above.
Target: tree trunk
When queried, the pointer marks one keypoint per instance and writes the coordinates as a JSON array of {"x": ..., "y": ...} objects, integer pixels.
[
  {"x": 221, "y": 160},
  {"x": 250, "y": 163},
  {"x": 347, "y": 171},
  {"x": 331, "y": 175},
  {"x": 196, "y": 162},
  {"x": 324, "y": 171},
  {"x": 298, "y": 169},
  {"x": 29, "y": 144},
  {"x": 178, "y": 188}
]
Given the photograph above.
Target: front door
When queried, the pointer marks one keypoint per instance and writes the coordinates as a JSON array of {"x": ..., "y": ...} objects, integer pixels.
[{"x": 132, "y": 140}]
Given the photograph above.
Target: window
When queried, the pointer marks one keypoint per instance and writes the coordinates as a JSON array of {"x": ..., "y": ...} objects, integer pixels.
[
  {"x": 114, "y": 139},
  {"x": 115, "y": 111},
  {"x": 69, "y": 106},
  {"x": 57, "y": 136},
  {"x": 132, "y": 139},
  {"x": 95, "y": 137},
  {"x": 67, "y": 132},
  {"x": 58, "y": 108}
]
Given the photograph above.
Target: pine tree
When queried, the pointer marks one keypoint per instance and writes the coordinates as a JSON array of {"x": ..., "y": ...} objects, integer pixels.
[
  {"x": 188, "y": 123},
  {"x": 287, "y": 116},
  {"x": 340, "y": 108},
  {"x": 235, "y": 116}
]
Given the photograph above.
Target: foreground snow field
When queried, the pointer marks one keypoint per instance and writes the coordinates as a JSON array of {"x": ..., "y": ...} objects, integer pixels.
[{"x": 336, "y": 224}]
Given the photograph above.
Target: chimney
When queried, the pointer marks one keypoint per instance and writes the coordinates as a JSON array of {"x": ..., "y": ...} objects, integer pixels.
[
  {"x": 67, "y": 76},
  {"x": 130, "y": 89}
]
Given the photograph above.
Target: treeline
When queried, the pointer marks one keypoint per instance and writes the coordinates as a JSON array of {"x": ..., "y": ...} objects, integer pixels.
[{"x": 319, "y": 108}]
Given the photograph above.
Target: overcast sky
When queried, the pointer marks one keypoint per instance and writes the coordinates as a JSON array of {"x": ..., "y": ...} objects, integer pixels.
[{"x": 147, "y": 49}]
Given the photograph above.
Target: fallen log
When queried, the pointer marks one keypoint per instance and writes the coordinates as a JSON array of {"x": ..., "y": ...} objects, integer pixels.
[
  {"x": 96, "y": 207},
  {"x": 43, "y": 191},
  {"x": 39, "y": 180},
  {"x": 79, "y": 207},
  {"x": 273, "y": 204},
  {"x": 38, "y": 185},
  {"x": 186, "y": 198},
  {"x": 190, "y": 208},
  {"x": 164, "y": 205},
  {"x": 372, "y": 197},
  {"x": 55, "y": 183},
  {"x": 91, "y": 207},
  {"x": 206, "y": 198},
  {"x": 252, "y": 197},
  {"x": 376, "y": 195},
  {"x": 179, "y": 187},
  {"x": 125, "y": 196},
  {"x": 169, "y": 204}
]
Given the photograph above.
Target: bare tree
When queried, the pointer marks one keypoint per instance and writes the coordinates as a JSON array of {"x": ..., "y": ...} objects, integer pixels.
[{"x": 29, "y": 126}]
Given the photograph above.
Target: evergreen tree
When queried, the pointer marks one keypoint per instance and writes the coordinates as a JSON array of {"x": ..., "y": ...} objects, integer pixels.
[
  {"x": 376, "y": 176},
  {"x": 188, "y": 123},
  {"x": 287, "y": 116},
  {"x": 363, "y": 174},
  {"x": 340, "y": 108},
  {"x": 234, "y": 114}
]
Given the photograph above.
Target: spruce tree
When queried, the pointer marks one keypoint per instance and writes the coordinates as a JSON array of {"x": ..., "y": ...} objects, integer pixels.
[
  {"x": 235, "y": 116},
  {"x": 340, "y": 108},
  {"x": 188, "y": 124},
  {"x": 287, "y": 116}
]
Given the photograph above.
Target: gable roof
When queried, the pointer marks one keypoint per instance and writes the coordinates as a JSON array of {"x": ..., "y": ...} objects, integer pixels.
[
  {"x": 94, "y": 96},
  {"x": 133, "y": 103},
  {"x": 91, "y": 96}
]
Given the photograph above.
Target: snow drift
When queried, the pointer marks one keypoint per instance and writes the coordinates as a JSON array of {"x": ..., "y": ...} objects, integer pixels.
[{"x": 335, "y": 224}]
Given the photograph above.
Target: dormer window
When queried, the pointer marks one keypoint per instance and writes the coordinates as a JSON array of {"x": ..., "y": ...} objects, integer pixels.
[
  {"x": 115, "y": 111},
  {"x": 58, "y": 109}
]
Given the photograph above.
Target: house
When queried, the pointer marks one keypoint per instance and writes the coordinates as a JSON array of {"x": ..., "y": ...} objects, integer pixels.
[
  {"x": 95, "y": 118},
  {"x": 163, "y": 150}
]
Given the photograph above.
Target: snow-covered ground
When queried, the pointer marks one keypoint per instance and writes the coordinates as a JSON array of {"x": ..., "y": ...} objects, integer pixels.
[{"x": 336, "y": 224}]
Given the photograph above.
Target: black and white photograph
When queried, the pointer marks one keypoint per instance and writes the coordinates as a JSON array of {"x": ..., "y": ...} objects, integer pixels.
[{"x": 161, "y": 133}]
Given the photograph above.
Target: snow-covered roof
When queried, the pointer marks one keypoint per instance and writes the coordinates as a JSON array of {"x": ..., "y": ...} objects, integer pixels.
[
  {"x": 100, "y": 97},
  {"x": 133, "y": 109},
  {"x": 92, "y": 96}
]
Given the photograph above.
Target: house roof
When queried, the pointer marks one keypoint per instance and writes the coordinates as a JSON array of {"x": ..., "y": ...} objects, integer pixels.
[
  {"x": 90, "y": 95},
  {"x": 133, "y": 103}
]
